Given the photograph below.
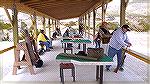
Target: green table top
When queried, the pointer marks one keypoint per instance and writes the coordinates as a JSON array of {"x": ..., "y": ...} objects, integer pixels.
[
  {"x": 64, "y": 57},
  {"x": 76, "y": 40}
]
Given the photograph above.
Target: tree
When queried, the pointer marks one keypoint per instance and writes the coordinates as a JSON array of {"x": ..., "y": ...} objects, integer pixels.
[
  {"x": 5, "y": 25},
  {"x": 144, "y": 24},
  {"x": 71, "y": 23}
]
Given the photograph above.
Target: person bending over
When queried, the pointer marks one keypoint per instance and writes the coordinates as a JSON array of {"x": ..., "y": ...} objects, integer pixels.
[{"x": 118, "y": 40}]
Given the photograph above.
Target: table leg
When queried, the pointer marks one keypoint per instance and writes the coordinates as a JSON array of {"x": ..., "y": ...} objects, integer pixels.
[
  {"x": 101, "y": 74},
  {"x": 84, "y": 47},
  {"x": 79, "y": 46},
  {"x": 62, "y": 45},
  {"x": 65, "y": 45},
  {"x": 97, "y": 72}
]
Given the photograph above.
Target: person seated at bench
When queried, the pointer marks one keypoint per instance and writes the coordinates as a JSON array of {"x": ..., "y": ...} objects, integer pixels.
[
  {"x": 66, "y": 34},
  {"x": 43, "y": 39}
]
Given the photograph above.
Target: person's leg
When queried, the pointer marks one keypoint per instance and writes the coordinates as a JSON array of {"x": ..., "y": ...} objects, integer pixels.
[
  {"x": 119, "y": 58},
  {"x": 111, "y": 53},
  {"x": 46, "y": 44},
  {"x": 96, "y": 44},
  {"x": 50, "y": 44}
]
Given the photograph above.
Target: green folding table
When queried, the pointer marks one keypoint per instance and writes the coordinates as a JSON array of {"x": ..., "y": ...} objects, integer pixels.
[
  {"x": 105, "y": 60},
  {"x": 78, "y": 41}
]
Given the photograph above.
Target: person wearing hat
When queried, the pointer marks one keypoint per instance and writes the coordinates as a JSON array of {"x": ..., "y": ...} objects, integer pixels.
[
  {"x": 118, "y": 40},
  {"x": 43, "y": 39},
  {"x": 104, "y": 29}
]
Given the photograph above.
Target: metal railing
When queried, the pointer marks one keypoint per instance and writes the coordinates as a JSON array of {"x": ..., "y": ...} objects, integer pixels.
[{"x": 133, "y": 53}]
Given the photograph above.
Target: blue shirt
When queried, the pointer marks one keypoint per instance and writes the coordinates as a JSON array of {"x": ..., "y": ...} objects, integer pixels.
[{"x": 119, "y": 39}]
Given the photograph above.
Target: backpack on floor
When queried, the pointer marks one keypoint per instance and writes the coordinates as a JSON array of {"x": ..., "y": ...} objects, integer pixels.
[{"x": 39, "y": 63}]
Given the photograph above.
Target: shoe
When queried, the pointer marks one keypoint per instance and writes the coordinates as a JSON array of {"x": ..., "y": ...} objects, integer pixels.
[
  {"x": 121, "y": 69},
  {"x": 51, "y": 47},
  {"x": 107, "y": 69},
  {"x": 48, "y": 50}
]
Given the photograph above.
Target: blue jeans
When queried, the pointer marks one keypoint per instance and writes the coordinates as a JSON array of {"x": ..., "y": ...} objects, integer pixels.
[
  {"x": 48, "y": 44},
  {"x": 97, "y": 44},
  {"x": 112, "y": 52}
]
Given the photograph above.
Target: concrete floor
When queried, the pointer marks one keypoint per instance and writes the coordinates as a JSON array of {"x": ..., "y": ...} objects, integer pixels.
[{"x": 136, "y": 71}]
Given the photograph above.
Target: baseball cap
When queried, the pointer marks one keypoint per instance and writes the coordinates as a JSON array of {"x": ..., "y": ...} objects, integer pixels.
[{"x": 126, "y": 27}]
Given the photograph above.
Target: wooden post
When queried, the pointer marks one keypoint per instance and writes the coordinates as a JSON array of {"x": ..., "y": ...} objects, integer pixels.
[
  {"x": 94, "y": 15},
  {"x": 8, "y": 15},
  {"x": 43, "y": 22},
  {"x": 104, "y": 7},
  {"x": 35, "y": 26},
  {"x": 79, "y": 20},
  {"x": 89, "y": 24},
  {"x": 49, "y": 26},
  {"x": 123, "y": 6},
  {"x": 82, "y": 19},
  {"x": 15, "y": 24},
  {"x": 55, "y": 24},
  {"x": 85, "y": 24},
  {"x": 58, "y": 23},
  {"x": 52, "y": 25}
]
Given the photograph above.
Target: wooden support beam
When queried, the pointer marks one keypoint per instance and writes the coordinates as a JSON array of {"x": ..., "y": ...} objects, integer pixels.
[
  {"x": 94, "y": 15},
  {"x": 104, "y": 7},
  {"x": 85, "y": 25},
  {"x": 43, "y": 22},
  {"x": 35, "y": 26},
  {"x": 49, "y": 26},
  {"x": 52, "y": 25},
  {"x": 89, "y": 14},
  {"x": 8, "y": 15},
  {"x": 15, "y": 24},
  {"x": 123, "y": 6},
  {"x": 55, "y": 24},
  {"x": 80, "y": 19}
]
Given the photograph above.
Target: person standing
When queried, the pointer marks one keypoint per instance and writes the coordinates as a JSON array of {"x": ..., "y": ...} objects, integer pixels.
[
  {"x": 104, "y": 29},
  {"x": 97, "y": 40},
  {"x": 81, "y": 29},
  {"x": 118, "y": 40}
]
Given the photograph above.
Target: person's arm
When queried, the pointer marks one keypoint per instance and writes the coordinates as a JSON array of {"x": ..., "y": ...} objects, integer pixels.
[
  {"x": 127, "y": 41},
  {"x": 95, "y": 37},
  {"x": 118, "y": 37}
]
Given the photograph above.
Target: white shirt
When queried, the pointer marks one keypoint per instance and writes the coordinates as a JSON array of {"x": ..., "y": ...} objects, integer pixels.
[{"x": 119, "y": 39}]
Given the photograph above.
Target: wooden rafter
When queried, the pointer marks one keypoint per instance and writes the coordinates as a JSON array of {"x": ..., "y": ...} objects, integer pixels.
[{"x": 55, "y": 9}]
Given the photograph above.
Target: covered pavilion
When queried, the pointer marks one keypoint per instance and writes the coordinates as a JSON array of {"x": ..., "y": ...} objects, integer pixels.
[{"x": 56, "y": 10}]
